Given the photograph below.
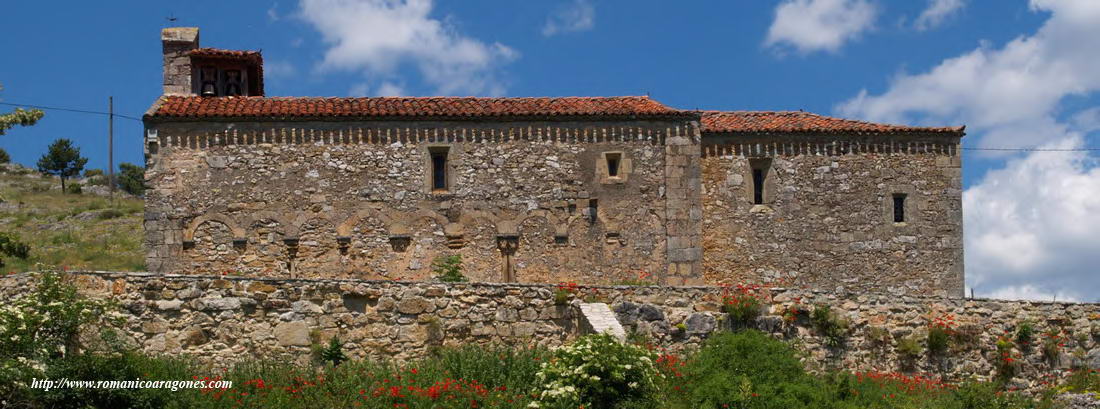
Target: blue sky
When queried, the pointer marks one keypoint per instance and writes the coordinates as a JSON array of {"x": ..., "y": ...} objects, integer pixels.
[{"x": 1019, "y": 73}]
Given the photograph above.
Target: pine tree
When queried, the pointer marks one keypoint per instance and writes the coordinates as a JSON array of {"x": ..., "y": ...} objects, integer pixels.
[{"x": 63, "y": 160}]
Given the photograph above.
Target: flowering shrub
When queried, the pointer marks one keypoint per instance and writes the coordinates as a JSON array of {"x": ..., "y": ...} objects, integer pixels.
[
  {"x": 1005, "y": 363},
  {"x": 1024, "y": 334},
  {"x": 597, "y": 372},
  {"x": 742, "y": 305},
  {"x": 791, "y": 313},
  {"x": 940, "y": 332},
  {"x": 41, "y": 326},
  {"x": 564, "y": 292},
  {"x": 1053, "y": 342}
]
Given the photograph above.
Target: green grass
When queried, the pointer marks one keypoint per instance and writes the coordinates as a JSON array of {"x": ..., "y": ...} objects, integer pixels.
[{"x": 62, "y": 232}]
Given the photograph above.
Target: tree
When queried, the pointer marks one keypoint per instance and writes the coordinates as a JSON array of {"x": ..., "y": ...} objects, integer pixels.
[
  {"x": 4, "y": 157},
  {"x": 19, "y": 117},
  {"x": 63, "y": 160},
  {"x": 131, "y": 178}
]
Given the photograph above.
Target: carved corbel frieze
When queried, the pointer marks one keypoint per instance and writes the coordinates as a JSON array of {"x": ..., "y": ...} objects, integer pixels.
[{"x": 507, "y": 243}]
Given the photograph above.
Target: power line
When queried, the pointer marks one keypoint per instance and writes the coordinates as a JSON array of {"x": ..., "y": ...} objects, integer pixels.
[
  {"x": 963, "y": 148},
  {"x": 71, "y": 110},
  {"x": 1033, "y": 149}
]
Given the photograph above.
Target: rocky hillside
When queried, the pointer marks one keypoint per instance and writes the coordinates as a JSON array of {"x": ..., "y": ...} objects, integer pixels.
[{"x": 89, "y": 230}]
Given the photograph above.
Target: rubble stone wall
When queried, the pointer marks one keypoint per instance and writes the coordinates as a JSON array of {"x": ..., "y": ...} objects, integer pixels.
[
  {"x": 222, "y": 319},
  {"x": 534, "y": 202},
  {"x": 826, "y": 220},
  {"x": 353, "y": 200}
]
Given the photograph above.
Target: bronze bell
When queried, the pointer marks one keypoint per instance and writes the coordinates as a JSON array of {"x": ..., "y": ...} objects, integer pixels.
[{"x": 208, "y": 89}]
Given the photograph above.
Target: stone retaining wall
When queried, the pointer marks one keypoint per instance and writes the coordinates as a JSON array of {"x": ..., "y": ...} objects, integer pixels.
[{"x": 225, "y": 318}]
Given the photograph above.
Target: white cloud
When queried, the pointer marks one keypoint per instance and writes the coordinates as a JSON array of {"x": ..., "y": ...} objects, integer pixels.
[
  {"x": 1031, "y": 225},
  {"x": 1010, "y": 93},
  {"x": 378, "y": 36},
  {"x": 937, "y": 12},
  {"x": 1030, "y": 292},
  {"x": 389, "y": 89},
  {"x": 273, "y": 13},
  {"x": 577, "y": 16},
  {"x": 820, "y": 25},
  {"x": 279, "y": 69}
]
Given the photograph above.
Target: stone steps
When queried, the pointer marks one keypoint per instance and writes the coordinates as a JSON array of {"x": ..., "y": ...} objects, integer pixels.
[{"x": 598, "y": 318}]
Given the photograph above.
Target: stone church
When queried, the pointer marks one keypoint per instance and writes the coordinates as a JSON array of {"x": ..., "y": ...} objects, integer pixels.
[{"x": 596, "y": 190}]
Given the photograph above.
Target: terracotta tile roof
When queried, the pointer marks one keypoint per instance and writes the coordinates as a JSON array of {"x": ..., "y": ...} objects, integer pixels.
[
  {"x": 194, "y": 107},
  {"x": 803, "y": 122}
]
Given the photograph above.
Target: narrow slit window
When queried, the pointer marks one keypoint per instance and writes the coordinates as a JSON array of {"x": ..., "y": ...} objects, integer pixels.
[
  {"x": 758, "y": 186},
  {"x": 613, "y": 161},
  {"x": 439, "y": 169},
  {"x": 899, "y": 208}
]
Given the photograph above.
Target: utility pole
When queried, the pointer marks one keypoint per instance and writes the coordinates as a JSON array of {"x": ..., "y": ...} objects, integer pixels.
[{"x": 111, "y": 143}]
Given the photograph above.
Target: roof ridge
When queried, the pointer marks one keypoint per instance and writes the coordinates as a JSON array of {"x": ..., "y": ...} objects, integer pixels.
[
  {"x": 422, "y": 97},
  {"x": 194, "y": 106},
  {"x": 804, "y": 121}
]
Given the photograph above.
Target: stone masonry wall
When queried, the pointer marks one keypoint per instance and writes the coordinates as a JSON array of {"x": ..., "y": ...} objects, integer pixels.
[
  {"x": 223, "y": 319},
  {"x": 352, "y": 200},
  {"x": 827, "y": 217}
]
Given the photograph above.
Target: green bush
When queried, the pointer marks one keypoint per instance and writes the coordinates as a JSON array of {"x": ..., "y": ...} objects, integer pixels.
[
  {"x": 11, "y": 246},
  {"x": 1052, "y": 348},
  {"x": 448, "y": 269},
  {"x": 742, "y": 306},
  {"x": 1025, "y": 333},
  {"x": 909, "y": 349},
  {"x": 561, "y": 296},
  {"x": 4, "y": 156},
  {"x": 938, "y": 340},
  {"x": 830, "y": 326},
  {"x": 131, "y": 179},
  {"x": 110, "y": 214},
  {"x": 93, "y": 172},
  {"x": 74, "y": 189},
  {"x": 333, "y": 353},
  {"x": 746, "y": 369},
  {"x": 599, "y": 372},
  {"x": 878, "y": 335}
]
